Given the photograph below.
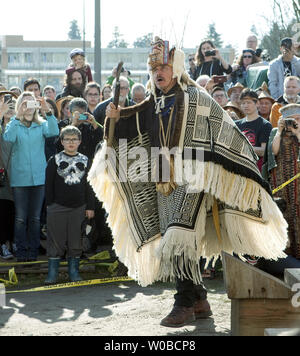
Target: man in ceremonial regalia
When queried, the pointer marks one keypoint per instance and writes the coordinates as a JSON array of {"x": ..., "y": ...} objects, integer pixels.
[{"x": 212, "y": 198}]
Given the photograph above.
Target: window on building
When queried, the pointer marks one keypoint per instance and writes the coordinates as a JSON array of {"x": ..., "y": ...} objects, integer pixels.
[
  {"x": 47, "y": 57},
  {"x": 28, "y": 57},
  {"x": 13, "y": 58}
]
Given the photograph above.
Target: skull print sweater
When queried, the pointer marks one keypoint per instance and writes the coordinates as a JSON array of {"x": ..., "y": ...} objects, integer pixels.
[{"x": 66, "y": 182}]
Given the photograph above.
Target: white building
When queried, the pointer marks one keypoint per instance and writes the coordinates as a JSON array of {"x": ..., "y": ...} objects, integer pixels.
[{"x": 48, "y": 60}]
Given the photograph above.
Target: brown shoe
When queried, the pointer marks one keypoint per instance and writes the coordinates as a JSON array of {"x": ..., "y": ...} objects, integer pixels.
[
  {"x": 179, "y": 316},
  {"x": 202, "y": 309}
]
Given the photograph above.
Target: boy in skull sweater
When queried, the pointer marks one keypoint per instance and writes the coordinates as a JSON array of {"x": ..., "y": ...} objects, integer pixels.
[{"x": 69, "y": 199}]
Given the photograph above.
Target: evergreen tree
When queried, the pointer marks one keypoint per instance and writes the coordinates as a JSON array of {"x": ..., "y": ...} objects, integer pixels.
[
  {"x": 143, "y": 42},
  {"x": 214, "y": 36},
  {"x": 74, "y": 33},
  {"x": 118, "y": 41},
  {"x": 272, "y": 40}
]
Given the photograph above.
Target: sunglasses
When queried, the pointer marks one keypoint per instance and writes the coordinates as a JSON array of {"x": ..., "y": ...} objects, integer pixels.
[{"x": 248, "y": 57}]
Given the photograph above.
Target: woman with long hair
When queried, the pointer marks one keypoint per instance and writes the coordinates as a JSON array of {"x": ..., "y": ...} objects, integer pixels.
[
  {"x": 27, "y": 132},
  {"x": 209, "y": 61}
]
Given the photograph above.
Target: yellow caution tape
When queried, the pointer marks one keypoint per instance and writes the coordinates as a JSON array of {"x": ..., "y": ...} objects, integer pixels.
[
  {"x": 286, "y": 184},
  {"x": 13, "y": 279},
  {"x": 102, "y": 256},
  {"x": 74, "y": 285}
]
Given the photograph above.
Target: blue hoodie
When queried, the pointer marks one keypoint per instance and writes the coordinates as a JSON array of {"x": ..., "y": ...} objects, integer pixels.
[{"x": 28, "y": 162}]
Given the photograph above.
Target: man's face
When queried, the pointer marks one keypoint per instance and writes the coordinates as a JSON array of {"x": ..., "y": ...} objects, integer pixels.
[
  {"x": 265, "y": 106},
  {"x": 76, "y": 80},
  {"x": 124, "y": 91},
  {"x": 107, "y": 93},
  {"x": 252, "y": 42},
  {"x": 235, "y": 95},
  {"x": 163, "y": 78},
  {"x": 34, "y": 88},
  {"x": 49, "y": 93},
  {"x": 220, "y": 97},
  {"x": 138, "y": 96},
  {"x": 249, "y": 106},
  {"x": 292, "y": 89}
]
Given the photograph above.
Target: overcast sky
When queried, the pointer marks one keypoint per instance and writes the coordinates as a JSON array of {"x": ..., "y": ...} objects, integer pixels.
[{"x": 49, "y": 20}]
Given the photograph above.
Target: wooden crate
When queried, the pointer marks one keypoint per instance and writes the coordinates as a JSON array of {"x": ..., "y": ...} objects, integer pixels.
[{"x": 259, "y": 300}]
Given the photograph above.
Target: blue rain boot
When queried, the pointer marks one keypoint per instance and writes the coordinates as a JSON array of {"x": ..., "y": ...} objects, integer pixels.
[
  {"x": 53, "y": 270},
  {"x": 73, "y": 267}
]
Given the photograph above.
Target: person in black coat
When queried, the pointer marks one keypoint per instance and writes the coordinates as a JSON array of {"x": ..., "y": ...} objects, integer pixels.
[{"x": 210, "y": 62}]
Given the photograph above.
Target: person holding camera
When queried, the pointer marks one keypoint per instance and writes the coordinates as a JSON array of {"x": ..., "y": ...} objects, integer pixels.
[
  {"x": 210, "y": 62},
  {"x": 239, "y": 74},
  {"x": 290, "y": 96},
  {"x": 91, "y": 131},
  {"x": 281, "y": 164},
  {"x": 286, "y": 65},
  {"x": 27, "y": 132}
]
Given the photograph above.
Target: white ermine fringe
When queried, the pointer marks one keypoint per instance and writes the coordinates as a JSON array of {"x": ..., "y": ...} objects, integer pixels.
[{"x": 143, "y": 265}]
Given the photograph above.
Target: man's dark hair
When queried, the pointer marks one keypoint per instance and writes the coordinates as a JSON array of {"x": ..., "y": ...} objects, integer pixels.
[
  {"x": 31, "y": 81},
  {"x": 68, "y": 79},
  {"x": 78, "y": 103},
  {"x": 287, "y": 43},
  {"x": 249, "y": 94},
  {"x": 92, "y": 85},
  {"x": 71, "y": 90},
  {"x": 218, "y": 89}
]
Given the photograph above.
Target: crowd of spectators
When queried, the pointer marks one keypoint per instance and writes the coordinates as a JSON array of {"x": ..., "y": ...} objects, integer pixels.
[{"x": 266, "y": 108}]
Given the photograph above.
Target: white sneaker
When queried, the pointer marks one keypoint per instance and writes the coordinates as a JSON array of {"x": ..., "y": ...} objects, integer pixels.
[{"x": 5, "y": 253}]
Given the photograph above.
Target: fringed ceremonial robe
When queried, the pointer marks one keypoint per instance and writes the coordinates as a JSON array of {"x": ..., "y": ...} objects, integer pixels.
[{"x": 226, "y": 206}]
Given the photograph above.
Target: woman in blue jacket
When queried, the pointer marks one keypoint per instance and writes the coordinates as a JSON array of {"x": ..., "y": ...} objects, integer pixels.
[{"x": 27, "y": 132}]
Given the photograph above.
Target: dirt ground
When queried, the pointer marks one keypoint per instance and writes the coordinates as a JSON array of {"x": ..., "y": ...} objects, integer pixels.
[{"x": 122, "y": 309}]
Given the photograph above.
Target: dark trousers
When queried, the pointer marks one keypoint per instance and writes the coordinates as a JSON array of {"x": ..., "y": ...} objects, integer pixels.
[
  {"x": 64, "y": 231},
  {"x": 188, "y": 293},
  {"x": 278, "y": 267},
  {"x": 7, "y": 221},
  {"x": 28, "y": 204}
]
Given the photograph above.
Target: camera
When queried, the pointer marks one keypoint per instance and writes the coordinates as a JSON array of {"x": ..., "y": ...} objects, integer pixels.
[
  {"x": 291, "y": 123},
  {"x": 220, "y": 79},
  {"x": 33, "y": 104},
  {"x": 210, "y": 53},
  {"x": 83, "y": 117}
]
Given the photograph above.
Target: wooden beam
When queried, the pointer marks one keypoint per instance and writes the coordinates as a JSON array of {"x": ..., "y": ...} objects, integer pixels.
[{"x": 247, "y": 282}]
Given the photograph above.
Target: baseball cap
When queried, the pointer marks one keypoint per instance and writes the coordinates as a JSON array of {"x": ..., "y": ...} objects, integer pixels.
[{"x": 77, "y": 51}]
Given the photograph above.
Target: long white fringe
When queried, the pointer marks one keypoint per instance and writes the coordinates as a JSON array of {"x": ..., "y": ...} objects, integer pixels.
[
  {"x": 142, "y": 265},
  {"x": 180, "y": 250}
]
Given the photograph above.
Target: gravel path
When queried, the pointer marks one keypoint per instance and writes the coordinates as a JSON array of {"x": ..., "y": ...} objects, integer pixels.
[{"x": 108, "y": 310}]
